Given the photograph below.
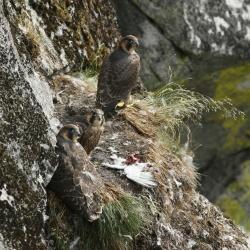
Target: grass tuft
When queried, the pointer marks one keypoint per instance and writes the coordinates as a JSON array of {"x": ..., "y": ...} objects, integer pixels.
[
  {"x": 168, "y": 112},
  {"x": 123, "y": 218},
  {"x": 178, "y": 105},
  {"x": 95, "y": 61},
  {"x": 119, "y": 223},
  {"x": 58, "y": 227}
]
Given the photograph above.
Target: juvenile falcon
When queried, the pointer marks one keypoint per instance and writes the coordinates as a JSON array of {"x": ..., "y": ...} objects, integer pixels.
[
  {"x": 76, "y": 180},
  {"x": 118, "y": 75},
  {"x": 92, "y": 129}
]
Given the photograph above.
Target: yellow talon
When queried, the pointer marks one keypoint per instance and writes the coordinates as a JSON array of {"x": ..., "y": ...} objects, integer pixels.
[
  {"x": 130, "y": 105},
  {"x": 120, "y": 104}
]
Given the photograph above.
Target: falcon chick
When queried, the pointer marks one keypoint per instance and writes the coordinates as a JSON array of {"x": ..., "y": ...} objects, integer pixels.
[
  {"x": 118, "y": 75},
  {"x": 76, "y": 180},
  {"x": 92, "y": 129}
]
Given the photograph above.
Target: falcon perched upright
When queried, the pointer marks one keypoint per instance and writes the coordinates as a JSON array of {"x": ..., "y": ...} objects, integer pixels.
[
  {"x": 92, "y": 126},
  {"x": 119, "y": 74},
  {"x": 76, "y": 180}
]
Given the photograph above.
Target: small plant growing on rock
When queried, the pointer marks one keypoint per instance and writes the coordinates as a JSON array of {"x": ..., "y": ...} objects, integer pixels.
[
  {"x": 95, "y": 61},
  {"x": 120, "y": 222},
  {"x": 123, "y": 218},
  {"x": 170, "y": 111}
]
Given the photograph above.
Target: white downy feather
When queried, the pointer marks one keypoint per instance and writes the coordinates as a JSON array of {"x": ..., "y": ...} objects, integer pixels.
[
  {"x": 136, "y": 172},
  {"x": 119, "y": 163}
]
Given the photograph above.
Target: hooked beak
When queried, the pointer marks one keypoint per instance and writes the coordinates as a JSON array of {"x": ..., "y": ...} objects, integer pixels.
[
  {"x": 137, "y": 43},
  {"x": 77, "y": 134}
]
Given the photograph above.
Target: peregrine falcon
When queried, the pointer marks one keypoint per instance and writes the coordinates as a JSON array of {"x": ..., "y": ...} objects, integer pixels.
[
  {"x": 76, "y": 180},
  {"x": 92, "y": 129},
  {"x": 118, "y": 75}
]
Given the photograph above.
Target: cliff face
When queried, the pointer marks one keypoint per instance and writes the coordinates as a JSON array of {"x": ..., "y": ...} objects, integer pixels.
[
  {"x": 180, "y": 34},
  {"x": 206, "y": 45},
  {"x": 27, "y": 140},
  {"x": 62, "y": 34},
  {"x": 32, "y": 48},
  {"x": 38, "y": 39}
]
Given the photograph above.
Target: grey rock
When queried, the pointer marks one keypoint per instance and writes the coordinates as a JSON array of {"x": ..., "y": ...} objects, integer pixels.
[
  {"x": 188, "y": 36},
  {"x": 200, "y": 27},
  {"x": 28, "y": 57},
  {"x": 26, "y": 147}
]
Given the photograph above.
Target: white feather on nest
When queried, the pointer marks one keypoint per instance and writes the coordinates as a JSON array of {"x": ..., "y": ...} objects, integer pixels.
[{"x": 137, "y": 172}]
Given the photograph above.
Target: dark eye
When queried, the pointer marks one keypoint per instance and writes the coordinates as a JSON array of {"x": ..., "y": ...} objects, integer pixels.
[
  {"x": 93, "y": 117},
  {"x": 71, "y": 131}
]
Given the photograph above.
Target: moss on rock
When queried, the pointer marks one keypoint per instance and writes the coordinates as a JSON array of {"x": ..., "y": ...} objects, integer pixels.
[
  {"x": 225, "y": 141},
  {"x": 54, "y": 34},
  {"x": 234, "y": 82},
  {"x": 86, "y": 30},
  {"x": 235, "y": 201}
]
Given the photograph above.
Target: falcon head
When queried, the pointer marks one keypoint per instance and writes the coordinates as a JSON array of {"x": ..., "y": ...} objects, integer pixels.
[
  {"x": 95, "y": 117},
  {"x": 129, "y": 43},
  {"x": 70, "y": 132}
]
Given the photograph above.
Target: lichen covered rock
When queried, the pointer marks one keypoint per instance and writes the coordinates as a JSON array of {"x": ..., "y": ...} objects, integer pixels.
[
  {"x": 57, "y": 34},
  {"x": 189, "y": 36},
  {"x": 234, "y": 82},
  {"x": 225, "y": 140},
  {"x": 29, "y": 55},
  {"x": 235, "y": 200},
  {"x": 26, "y": 147}
]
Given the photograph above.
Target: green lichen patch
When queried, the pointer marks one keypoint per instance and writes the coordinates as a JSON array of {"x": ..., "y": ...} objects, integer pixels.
[
  {"x": 85, "y": 30},
  {"x": 236, "y": 200},
  {"x": 234, "y": 210},
  {"x": 234, "y": 82}
]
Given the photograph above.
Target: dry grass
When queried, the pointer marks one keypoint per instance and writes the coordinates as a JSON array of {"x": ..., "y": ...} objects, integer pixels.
[
  {"x": 95, "y": 61},
  {"x": 110, "y": 193},
  {"x": 32, "y": 37},
  {"x": 59, "y": 229},
  {"x": 167, "y": 113},
  {"x": 144, "y": 120},
  {"x": 123, "y": 217},
  {"x": 169, "y": 162},
  {"x": 120, "y": 222}
]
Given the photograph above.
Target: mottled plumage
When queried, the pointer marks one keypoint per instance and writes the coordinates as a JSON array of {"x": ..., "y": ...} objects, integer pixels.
[
  {"x": 76, "y": 180},
  {"x": 92, "y": 128},
  {"x": 118, "y": 75}
]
